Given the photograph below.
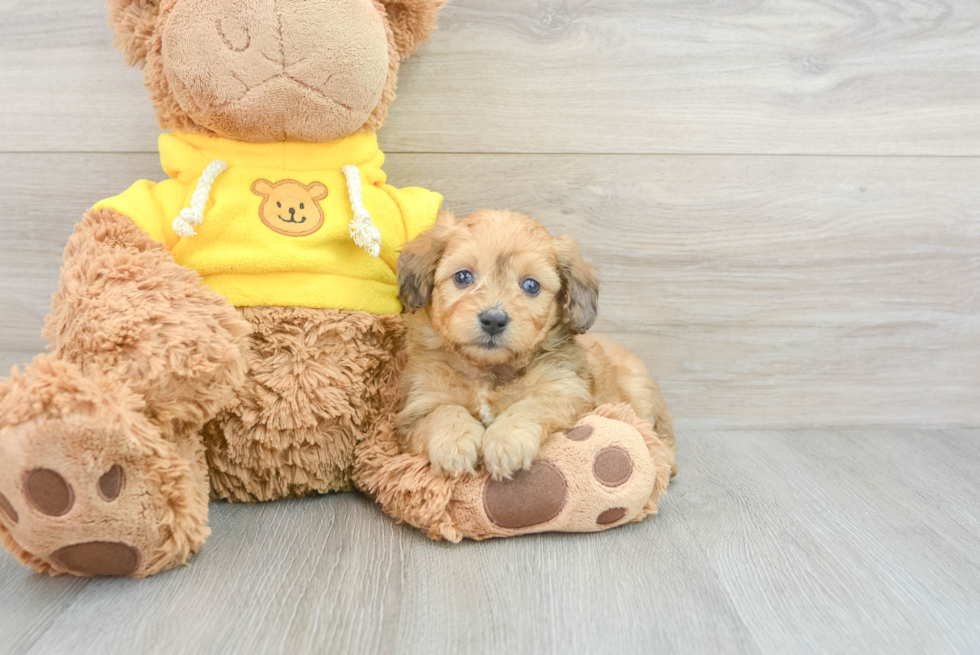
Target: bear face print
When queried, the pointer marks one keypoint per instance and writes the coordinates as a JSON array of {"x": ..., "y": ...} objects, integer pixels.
[{"x": 290, "y": 207}]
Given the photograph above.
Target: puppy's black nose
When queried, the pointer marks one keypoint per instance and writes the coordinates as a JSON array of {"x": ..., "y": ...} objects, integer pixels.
[
  {"x": 494, "y": 321},
  {"x": 292, "y": 211}
]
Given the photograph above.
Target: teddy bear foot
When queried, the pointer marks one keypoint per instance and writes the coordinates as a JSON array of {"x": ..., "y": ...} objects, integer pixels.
[
  {"x": 87, "y": 484},
  {"x": 609, "y": 470}
]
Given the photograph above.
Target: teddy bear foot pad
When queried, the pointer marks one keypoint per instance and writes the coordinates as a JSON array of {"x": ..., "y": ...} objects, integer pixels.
[
  {"x": 49, "y": 495},
  {"x": 596, "y": 476},
  {"x": 96, "y": 494},
  {"x": 98, "y": 512}
]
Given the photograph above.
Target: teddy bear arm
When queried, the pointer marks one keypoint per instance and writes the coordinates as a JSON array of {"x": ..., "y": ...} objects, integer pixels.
[{"x": 126, "y": 309}]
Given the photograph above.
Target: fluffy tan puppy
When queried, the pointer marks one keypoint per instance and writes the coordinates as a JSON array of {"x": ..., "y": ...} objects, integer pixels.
[{"x": 497, "y": 360}]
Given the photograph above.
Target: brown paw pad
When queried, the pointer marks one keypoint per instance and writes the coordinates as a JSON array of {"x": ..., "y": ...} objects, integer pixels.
[
  {"x": 611, "y": 516},
  {"x": 612, "y": 466},
  {"x": 532, "y": 497},
  {"x": 581, "y": 433},
  {"x": 8, "y": 510},
  {"x": 111, "y": 483},
  {"x": 48, "y": 492},
  {"x": 98, "y": 558}
]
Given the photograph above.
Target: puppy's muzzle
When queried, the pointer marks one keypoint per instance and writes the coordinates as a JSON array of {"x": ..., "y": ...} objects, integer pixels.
[{"x": 494, "y": 321}]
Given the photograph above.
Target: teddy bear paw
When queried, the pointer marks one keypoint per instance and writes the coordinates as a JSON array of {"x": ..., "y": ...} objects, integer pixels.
[
  {"x": 77, "y": 496},
  {"x": 598, "y": 475}
]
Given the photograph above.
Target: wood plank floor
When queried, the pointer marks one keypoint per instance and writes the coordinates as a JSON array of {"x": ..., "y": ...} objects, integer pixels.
[
  {"x": 770, "y": 542},
  {"x": 783, "y": 199}
]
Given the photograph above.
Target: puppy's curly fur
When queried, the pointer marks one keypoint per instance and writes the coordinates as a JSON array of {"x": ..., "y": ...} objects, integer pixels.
[{"x": 497, "y": 357}]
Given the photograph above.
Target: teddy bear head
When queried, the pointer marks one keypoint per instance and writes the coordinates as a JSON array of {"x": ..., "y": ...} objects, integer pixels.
[{"x": 271, "y": 70}]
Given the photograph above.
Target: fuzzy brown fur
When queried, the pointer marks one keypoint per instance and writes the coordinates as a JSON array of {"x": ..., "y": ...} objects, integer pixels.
[
  {"x": 405, "y": 485},
  {"x": 127, "y": 310},
  {"x": 56, "y": 418},
  {"x": 316, "y": 382},
  {"x": 470, "y": 395},
  {"x": 142, "y": 356}
]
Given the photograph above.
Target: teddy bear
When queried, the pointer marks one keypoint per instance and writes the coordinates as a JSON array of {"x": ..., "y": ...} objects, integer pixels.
[{"x": 234, "y": 332}]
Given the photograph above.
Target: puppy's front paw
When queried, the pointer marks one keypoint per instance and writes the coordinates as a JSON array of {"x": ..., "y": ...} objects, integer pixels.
[
  {"x": 509, "y": 446},
  {"x": 456, "y": 452}
]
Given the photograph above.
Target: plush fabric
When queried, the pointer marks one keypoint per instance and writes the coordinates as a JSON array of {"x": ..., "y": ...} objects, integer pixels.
[
  {"x": 125, "y": 310},
  {"x": 314, "y": 387},
  {"x": 244, "y": 258},
  {"x": 142, "y": 355},
  {"x": 140, "y": 29},
  {"x": 77, "y": 429},
  {"x": 312, "y": 79}
]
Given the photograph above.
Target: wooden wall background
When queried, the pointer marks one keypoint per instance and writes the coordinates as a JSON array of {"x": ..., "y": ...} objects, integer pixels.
[{"x": 783, "y": 197}]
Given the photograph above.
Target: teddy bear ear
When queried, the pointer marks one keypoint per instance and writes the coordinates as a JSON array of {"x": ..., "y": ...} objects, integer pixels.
[
  {"x": 412, "y": 21},
  {"x": 262, "y": 188},
  {"x": 318, "y": 191},
  {"x": 134, "y": 22}
]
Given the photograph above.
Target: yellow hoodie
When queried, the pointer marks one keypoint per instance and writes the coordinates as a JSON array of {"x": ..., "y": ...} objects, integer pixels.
[{"x": 275, "y": 223}]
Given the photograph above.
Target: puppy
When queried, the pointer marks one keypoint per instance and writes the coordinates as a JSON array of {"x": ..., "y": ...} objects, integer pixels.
[{"x": 496, "y": 362}]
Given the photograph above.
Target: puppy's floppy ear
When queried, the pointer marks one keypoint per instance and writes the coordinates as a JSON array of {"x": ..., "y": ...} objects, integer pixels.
[
  {"x": 418, "y": 261},
  {"x": 134, "y": 22},
  {"x": 412, "y": 21},
  {"x": 580, "y": 285}
]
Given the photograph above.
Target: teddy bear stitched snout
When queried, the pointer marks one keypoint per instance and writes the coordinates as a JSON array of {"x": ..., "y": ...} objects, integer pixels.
[
  {"x": 236, "y": 41},
  {"x": 237, "y": 38},
  {"x": 295, "y": 64},
  {"x": 292, "y": 216}
]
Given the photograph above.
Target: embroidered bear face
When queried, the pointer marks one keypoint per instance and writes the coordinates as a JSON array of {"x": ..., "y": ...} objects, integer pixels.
[{"x": 290, "y": 207}]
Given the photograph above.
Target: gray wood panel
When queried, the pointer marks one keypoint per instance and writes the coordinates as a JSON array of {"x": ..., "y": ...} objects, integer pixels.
[
  {"x": 665, "y": 76},
  {"x": 843, "y": 539},
  {"x": 30, "y": 604},
  {"x": 762, "y": 291},
  {"x": 768, "y": 542}
]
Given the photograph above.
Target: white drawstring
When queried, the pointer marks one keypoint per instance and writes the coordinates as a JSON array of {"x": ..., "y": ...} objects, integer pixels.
[
  {"x": 189, "y": 217},
  {"x": 362, "y": 229}
]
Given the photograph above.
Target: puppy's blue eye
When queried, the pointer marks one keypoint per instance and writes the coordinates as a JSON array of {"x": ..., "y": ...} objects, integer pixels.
[
  {"x": 278, "y": 204},
  {"x": 531, "y": 287},
  {"x": 463, "y": 279}
]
